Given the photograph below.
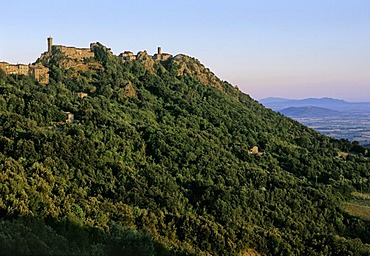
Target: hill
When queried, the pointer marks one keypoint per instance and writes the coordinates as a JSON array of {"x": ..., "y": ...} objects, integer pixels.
[
  {"x": 309, "y": 112},
  {"x": 329, "y": 103},
  {"x": 336, "y": 118},
  {"x": 153, "y": 157}
]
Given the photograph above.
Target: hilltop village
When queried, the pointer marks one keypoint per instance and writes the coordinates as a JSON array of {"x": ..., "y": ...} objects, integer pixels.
[
  {"x": 129, "y": 56},
  {"x": 40, "y": 71},
  {"x": 37, "y": 70}
]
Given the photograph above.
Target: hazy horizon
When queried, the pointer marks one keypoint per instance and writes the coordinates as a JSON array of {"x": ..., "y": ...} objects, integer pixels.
[{"x": 267, "y": 48}]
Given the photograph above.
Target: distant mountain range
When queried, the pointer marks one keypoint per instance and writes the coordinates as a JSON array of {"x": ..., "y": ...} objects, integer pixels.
[
  {"x": 278, "y": 104},
  {"x": 309, "y": 112},
  {"x": 332, "y": 117}
]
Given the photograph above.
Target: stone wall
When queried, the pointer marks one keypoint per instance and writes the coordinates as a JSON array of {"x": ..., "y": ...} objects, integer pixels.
[
  {"x": 162, "y": 56},
  {"x": 74, "y": 53}
]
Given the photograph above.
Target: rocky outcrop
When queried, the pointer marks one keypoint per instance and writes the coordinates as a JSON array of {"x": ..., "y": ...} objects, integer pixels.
[
  {"x": 130, "y": 90},
  {"x": 190, "y": 66},
  {"x": 147, "y": 60}
]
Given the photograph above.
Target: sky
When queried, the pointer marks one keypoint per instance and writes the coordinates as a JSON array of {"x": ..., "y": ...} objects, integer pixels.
[{"x": 268, "y": 48}]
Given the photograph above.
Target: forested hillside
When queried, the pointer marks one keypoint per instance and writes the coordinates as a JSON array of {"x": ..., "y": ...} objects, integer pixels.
[{"x": 158, "y": 161}]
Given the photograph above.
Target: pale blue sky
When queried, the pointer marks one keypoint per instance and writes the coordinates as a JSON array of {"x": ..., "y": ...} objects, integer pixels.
[{"x": 286, "y": 48}]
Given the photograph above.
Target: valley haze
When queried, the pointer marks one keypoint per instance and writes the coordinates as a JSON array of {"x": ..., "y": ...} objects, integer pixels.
[{"x": 333, "y": 117}]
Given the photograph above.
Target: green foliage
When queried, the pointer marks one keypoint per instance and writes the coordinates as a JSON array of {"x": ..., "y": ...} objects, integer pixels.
[
  {"x": 36, "y": 237},
  {"x": 167, "y": 171}
]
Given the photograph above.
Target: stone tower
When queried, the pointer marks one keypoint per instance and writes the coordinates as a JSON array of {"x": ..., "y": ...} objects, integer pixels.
[
  {"x": 159, "y": 50},
  {"x": 50, "y": 44}
]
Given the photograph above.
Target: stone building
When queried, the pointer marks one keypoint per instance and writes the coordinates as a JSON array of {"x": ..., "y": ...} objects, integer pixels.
[
  {"x": 50, "y": 44},
  {"x": 69, "y": 52},
  {"x": 82, "y": 95},
  {"x": 23, "y": 69},
  {"x": 127, "y": 56},
  {"x": 14, "y": 69},
  {"x": 70, "y": 117},
  {"x": 161, "y": 56},
  {"x": 40, "y": 73},
  {"x": 255, "y": 151},
  {"x": 74, "y": 53}
]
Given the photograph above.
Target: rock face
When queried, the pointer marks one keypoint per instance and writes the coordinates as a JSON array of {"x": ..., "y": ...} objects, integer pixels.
[
  {"x": 130, "y": 90},
  {"x": 146, "y": 59},
  {"x": 93, "y": 46},
  {"x": 190, "y": 66}
]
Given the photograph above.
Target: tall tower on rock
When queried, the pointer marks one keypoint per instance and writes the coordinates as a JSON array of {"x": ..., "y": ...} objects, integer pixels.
[{"x": 50, "y": 44}]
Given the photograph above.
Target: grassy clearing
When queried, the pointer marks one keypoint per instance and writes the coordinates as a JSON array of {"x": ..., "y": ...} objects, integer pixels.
[
  {"x": 362, "y": 196},
  {"x": 343, "y": 154},
  {"x": 359, "y": 207},
  {"x": 249, "y": 252}
]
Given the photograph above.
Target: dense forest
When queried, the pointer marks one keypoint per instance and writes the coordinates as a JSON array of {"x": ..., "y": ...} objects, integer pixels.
[{"x": 163, "y": 158}]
